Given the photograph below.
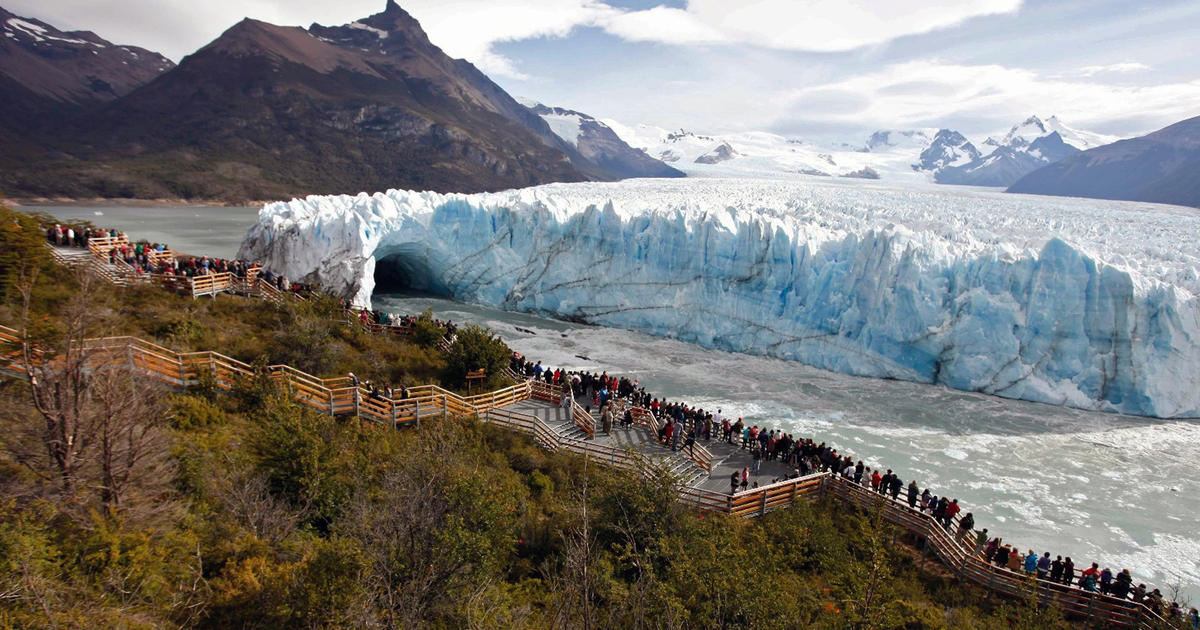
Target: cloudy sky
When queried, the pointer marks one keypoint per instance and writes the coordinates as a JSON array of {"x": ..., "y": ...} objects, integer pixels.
[{"x": 811, "y": 68}]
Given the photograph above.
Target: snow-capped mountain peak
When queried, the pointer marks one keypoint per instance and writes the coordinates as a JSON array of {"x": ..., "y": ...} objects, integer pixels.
[
  {"x": 610, "y": 157},
  {"x": 1025, "y": 133}
]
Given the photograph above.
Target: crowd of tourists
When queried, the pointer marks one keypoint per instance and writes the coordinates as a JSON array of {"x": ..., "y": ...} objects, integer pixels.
[
  {"x": 145, "y": 257},
  {"x": 681, "y": 426},
  {"x": 396, "y": 320}
]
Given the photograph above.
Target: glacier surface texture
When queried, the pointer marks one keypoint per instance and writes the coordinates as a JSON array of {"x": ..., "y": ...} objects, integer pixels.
[{"x": 1085, "y": 303}]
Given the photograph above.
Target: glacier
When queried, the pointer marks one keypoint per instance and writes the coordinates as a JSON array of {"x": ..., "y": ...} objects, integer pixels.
[{"x": 1085, "y": 303}]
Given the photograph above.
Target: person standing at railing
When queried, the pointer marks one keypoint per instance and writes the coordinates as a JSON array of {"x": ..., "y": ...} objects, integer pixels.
[
  {"x": 981, "y": 539},
  {"x": 965, "y": 526},
  {"x": 734, "y": 480},
  {"x": 1068, "y": 575},
  {"x": 1044, "y": 564},
  {"x": 1121, "y": 584},
  {"x": 1106, "y": 580},
  {"x": 1002, "y": 555},
  {"x": 912, "y": 489},
  {"x": 951, "y": 509},
  {"x": 1031, "y": 561}
]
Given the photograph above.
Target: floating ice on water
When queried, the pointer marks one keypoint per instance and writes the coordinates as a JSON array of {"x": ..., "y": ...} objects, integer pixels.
[{"x": 1085, "y": 303}]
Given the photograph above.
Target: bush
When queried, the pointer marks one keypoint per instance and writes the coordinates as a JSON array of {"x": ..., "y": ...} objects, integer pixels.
[
  {"x": 476, "y": 348},
  {"x": 189, "y": 413},
  {"x": 426, "y": 332}
]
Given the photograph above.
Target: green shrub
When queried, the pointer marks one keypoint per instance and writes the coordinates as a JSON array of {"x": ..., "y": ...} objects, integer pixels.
[{"x": 189, "y": 413}]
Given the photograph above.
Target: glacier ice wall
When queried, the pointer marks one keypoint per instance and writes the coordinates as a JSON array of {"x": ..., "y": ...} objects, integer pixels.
[{"x": 1083, "y": 303}]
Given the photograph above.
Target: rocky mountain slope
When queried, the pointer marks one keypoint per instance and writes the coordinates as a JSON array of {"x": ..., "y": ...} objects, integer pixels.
[
  {"x": 1162, "y": 167},
  {"x": 267, "y": 111},
  {"x": 46, "y": 73},
  {"x": 605, "y": 153}
]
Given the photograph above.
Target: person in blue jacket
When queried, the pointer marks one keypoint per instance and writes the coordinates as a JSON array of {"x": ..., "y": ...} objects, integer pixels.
[{"x": 1031, "y": 562}]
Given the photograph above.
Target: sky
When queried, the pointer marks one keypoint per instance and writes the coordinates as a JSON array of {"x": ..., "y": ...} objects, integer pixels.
[{"x": 835, "y": 69}]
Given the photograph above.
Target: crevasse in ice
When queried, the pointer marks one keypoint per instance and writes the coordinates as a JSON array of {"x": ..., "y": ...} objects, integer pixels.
[{"x": 1077, "y": 302}]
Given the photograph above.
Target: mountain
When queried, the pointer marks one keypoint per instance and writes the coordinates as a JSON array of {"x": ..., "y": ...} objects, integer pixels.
[
  {"x": 267, "y": 111},
  {"x": 1028, "y": 146},
  {"x": 722, "y": 153},
  {"x": 1161, "y": 167},
  {"x": 606, "y": 155},
  {"x": 46, "y": 73},
  {"x": 948, "y": 148}
]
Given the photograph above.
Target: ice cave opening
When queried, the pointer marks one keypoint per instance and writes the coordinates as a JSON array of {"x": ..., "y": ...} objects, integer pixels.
[{"x": 404, "y": 270}]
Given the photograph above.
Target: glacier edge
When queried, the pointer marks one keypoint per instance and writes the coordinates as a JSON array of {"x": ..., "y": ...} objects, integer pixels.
[{"x": 873, "y": 283}]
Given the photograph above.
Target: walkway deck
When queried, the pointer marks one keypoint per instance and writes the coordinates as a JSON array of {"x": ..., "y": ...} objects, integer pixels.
[{"x": 727, "y": 458}]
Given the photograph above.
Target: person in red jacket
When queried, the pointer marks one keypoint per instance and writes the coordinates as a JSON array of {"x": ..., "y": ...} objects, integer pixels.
[{"x": 951, "y": 510}]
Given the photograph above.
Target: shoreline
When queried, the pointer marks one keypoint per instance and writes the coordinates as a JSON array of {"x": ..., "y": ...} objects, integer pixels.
[{"x": 108, "y": 202}]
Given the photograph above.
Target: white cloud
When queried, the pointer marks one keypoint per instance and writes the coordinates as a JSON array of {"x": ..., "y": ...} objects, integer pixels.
[
  {"x": 663, "y": 24},
  {"x": 932, "y": 92},
  {"x": 819, "y": 25},
  {"x": 469, "y": 29},
  {"x": 1122, "y": 67}
]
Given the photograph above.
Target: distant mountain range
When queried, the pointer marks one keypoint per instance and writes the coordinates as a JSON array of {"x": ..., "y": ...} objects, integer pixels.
[
  {"x": 1161, "y": 167},
  {"x": 271, "y": 112},
  {"x": 267, "y": 112},
  {"x": 942, "y": 155}
]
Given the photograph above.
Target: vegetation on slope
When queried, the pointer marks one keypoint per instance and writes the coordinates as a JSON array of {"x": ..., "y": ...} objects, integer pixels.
[{"x": 244, "y": 510}]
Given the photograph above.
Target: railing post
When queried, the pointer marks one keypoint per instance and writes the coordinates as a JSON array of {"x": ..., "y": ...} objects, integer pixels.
[
  {"x": 445, "y": 408},
  {"x": 356, "y": 414},
  {"x": 417, "y": 412},
  {"x": 392, "y": 402},
  {"x": 762, "y": 505}
]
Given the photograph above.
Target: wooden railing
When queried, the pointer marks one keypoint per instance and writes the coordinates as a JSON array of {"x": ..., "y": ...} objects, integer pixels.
[
  {"x": 211, "y": 284},
  {"x": 102, "y": 245},
  {"x": 958, "y": 555}
]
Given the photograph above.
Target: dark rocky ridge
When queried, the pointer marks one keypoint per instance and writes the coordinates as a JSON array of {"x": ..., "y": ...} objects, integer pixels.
[
  {"x": 273, "y": 112},
  {"x": 47, "y": 74}
]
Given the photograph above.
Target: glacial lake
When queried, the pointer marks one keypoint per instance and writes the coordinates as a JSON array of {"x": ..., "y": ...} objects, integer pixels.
[{"x": 1119, "y": 490}]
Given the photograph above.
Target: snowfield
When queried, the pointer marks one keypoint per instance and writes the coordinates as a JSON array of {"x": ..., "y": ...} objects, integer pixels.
[{"x": 1084, "y": 303}]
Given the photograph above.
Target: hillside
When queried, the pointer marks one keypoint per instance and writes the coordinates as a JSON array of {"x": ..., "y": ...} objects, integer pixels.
[
  {"x": 46, "y": 73},
  {"x": 273, "y": 112},
  {"x": 1161, "y": 167}
]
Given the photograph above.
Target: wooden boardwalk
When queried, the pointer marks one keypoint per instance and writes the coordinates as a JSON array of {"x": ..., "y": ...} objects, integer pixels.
[{"x": 640, "y": 438}]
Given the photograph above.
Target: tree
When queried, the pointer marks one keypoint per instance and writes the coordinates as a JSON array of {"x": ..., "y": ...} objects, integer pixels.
[
  {"x": 57, "y": 362},
  {"x": 477, "y": 348},
  {"x": 130, "y": 433}
]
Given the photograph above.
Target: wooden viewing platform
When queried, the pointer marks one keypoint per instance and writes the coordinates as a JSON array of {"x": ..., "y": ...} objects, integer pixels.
[{"x": 700, "y": 475}]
